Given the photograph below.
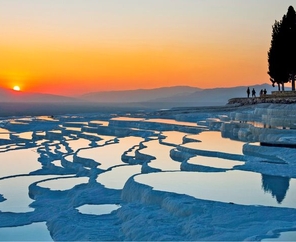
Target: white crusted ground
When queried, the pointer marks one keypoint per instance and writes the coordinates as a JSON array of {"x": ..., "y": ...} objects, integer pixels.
[{"x": 53, "y": 166}]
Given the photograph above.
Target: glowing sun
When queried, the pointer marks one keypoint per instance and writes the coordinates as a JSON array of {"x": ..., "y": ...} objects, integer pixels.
[{"x": 16, "y": 88}]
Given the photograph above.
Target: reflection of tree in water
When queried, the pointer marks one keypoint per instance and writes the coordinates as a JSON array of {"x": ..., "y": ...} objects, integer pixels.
[{"x": 276, "y": 185}]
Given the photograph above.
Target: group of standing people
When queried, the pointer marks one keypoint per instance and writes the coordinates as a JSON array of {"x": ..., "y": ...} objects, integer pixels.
[{"x": 262, "y": 92}]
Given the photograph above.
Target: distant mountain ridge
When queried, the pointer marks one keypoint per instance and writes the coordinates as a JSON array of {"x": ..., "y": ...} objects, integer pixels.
[
  {"x": 215, "y": 96},
  {"x": 166, "y": 96},
  {"x": 7, "y": 95},
  {"x": 139, "y": 95},
  {"x": 179, "y": 95}
]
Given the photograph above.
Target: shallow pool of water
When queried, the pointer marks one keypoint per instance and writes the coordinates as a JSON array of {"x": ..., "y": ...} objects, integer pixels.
[
  {"x": 31, "y": 232},
  {"x": 98, "y": 123},
  {"x": 240, "y": 187},
  {"x": 74, "y": 124},
  {"x": 283, "y": 236},
  {"x": 25, "y": 135},
  {"x": 127, "y": 119},
  {"x": 214, "y": 162},
  {"x": 4, "y": 134},
  {"x": 4, "y": 131},
  {"x": 173, "y": 137},
  {"x": 46, "y": 118},
  {"x": 15, "y": 190},
  {"x": 57, "y": 163},
  {"x": 110, "y": 155},
  {"x": 213, "y": 141},
  {"x": 78, "y": 144},
  {"x": 161, "y": 153},
  {"x": 171, "y": 121},
  {"x": 15, "y": 162},
  {"x": 72, "y": 129},
  {"x": 117, "y": 177},
  {"x": 97, "y": 209},
  {"x": 63, "y": 183}
]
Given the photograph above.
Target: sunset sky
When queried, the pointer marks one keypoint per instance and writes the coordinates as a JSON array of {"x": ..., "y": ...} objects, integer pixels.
[{"x": 73, "y": 47}]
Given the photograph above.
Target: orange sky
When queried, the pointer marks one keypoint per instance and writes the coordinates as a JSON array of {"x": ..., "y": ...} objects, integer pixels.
[{"x": 74, "y": 50}]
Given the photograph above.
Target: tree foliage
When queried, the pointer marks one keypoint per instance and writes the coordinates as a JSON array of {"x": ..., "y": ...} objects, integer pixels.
[{"x": 282, "y": 52}]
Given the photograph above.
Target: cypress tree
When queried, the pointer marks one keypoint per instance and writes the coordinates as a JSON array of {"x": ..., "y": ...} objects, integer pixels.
[
  {"x": 276, "y": 57},
  {"x": 282, "y": 52},
  {"x": 290, "y": 31}
]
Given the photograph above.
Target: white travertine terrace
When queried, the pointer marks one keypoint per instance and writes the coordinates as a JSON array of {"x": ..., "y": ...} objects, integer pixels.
[{"x": 224, "y": 174}]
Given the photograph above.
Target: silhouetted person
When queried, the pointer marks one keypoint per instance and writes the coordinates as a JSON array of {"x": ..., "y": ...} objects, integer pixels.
[
  {"x": 265, "y": 91},
  {"x": 253, "y": 93},
  {"x": 248, "y": 92}
]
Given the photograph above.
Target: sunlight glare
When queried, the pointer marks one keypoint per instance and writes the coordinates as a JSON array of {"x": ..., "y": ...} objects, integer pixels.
[{"x": 16, "y": 88}]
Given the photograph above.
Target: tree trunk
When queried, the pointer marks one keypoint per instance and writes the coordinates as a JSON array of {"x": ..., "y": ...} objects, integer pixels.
[
  {"x": 283, "y": 86},
  {"x": 279, "y": 87},
  {"x": 293, "y": 82}
]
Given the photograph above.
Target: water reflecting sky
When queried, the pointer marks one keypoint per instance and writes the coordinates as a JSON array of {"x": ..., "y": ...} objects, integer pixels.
[
  {"x": 16, "y": 162},
  {"x": 97, "y": 209},
  {"x": 15, "y": 190},
  {"x": 63, "y": 183},
  {"x": 239, "y": 187},
  {"x": 214, "y": 162},
  {"x": 161, "y": 153},
  {"x": 26, "y": 233},
  {"x": 117, "y": 177},
  {"x": 213, "y": 141}
]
